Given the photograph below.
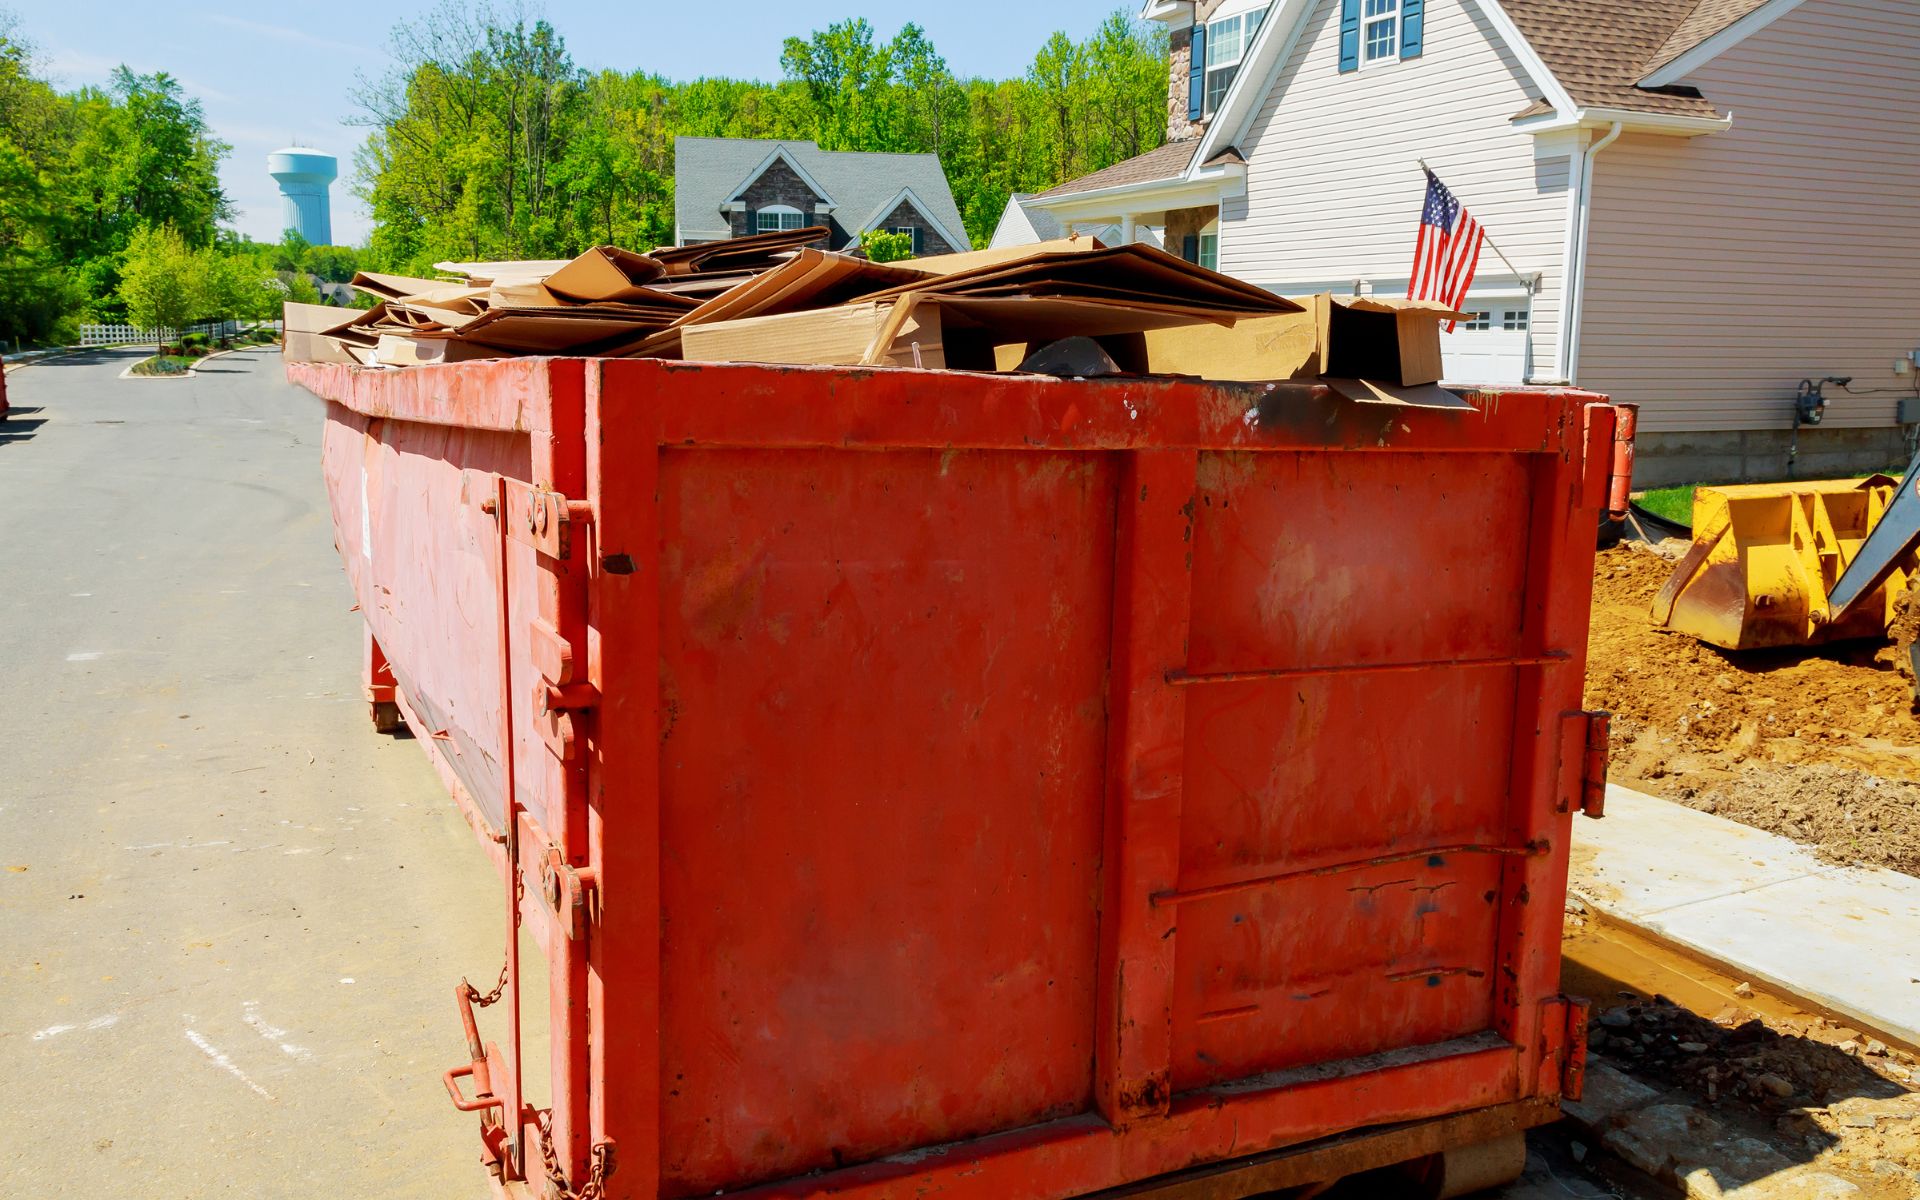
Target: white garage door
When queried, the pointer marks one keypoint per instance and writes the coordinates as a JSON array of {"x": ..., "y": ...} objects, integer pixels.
[{"x": 1492, "y": 348}]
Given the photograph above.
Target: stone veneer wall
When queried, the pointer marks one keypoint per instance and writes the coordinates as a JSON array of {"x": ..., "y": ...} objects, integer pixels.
[
  {"x": 1184, "y": 221},
  {"x": 1179, "y": 65}
]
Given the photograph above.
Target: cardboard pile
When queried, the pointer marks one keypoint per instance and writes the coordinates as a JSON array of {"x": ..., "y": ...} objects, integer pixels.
[{"x": 1066, "y": 306}]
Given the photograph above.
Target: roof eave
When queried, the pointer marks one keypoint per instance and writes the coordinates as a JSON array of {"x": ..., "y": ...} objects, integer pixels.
[
  {"x": 1629, "y": 120},
  {"x": 1175, "y": 14},
  {"x": 1147, "y": 195}
]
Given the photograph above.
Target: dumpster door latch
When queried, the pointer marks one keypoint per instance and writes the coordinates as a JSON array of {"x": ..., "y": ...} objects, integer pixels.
[
  {"x": 541, "y": 518},
  {"x": 569, "y": 892}
]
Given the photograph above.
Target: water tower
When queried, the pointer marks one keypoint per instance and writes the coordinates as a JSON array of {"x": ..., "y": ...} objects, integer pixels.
[{"x": 303, "y": 176}]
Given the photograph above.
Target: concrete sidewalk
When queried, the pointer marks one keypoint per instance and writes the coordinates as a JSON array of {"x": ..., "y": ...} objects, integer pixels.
[{"x": 1843, "y": 939}]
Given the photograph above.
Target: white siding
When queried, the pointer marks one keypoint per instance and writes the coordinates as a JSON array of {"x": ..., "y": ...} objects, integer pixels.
[
  {"x": 1725, "y": 269},
  {"x": 1333, "y": 182}
]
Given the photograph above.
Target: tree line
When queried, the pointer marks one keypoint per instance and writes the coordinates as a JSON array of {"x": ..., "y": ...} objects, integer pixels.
[
  {"x": 111, "y": 209},
  {"x": 487, "y": 141}
]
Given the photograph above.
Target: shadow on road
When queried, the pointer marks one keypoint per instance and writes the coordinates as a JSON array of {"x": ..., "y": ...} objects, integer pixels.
[
  {"x": 13, "y": 429},
  {"x": 94, "y": 358}
]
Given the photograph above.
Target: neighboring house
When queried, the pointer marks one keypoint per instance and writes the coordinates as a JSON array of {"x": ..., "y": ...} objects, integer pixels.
[
  {"x": 732, "y": 187},
  {"x": 1699, "y": 202},
  {"x": 1023, "y": 226}
]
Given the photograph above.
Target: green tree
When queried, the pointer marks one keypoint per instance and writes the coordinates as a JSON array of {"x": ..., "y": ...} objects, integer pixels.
[
  {"x": 163, "y": 280},
  {"x": 850, "y": 82},
  {"x": 335, "y": 264}
]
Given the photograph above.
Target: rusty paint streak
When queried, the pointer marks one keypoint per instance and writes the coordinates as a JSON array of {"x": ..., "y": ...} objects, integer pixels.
[
  {"x": 1530, "y": 850},
  {"x": 1183, "y": 678}
]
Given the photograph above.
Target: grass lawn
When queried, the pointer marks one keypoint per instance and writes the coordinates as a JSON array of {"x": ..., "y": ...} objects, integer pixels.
[{"x": 1673, "y": 503}]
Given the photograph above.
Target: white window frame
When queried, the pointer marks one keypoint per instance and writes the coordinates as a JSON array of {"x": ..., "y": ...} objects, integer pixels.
[
  {"x": 1246, "y": 23},
  {"x": 1390, "y": 15},
  {"x": 915, "y": 235},
  {"x": 1207, "y": 252},
  {"x": 1482, "y": 321},
  {"x": 782, "y": 211}
]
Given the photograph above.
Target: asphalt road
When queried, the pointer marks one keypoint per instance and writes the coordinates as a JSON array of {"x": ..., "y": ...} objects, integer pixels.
[{"x": 231, "y": 915}]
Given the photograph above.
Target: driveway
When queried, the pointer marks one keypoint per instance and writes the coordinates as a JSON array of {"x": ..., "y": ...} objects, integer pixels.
[{"x": 231, "y": 915}]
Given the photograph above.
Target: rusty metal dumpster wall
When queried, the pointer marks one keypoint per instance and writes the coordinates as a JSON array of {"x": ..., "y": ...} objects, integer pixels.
[{"x": 988, "y": 786}]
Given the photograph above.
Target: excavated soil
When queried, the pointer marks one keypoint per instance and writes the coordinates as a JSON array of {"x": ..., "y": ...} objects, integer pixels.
[{"x": 1821, "y": 745}]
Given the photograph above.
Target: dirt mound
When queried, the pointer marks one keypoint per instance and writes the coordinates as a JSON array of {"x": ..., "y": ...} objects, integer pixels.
[{"x": 1819, "y": 744}]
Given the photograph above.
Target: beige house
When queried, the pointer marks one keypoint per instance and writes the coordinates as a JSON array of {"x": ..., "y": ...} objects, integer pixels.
[{"x": 1697, "y": 203}]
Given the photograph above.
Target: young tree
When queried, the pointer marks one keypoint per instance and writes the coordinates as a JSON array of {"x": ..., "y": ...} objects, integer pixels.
[{"x": 163, "y": 281}]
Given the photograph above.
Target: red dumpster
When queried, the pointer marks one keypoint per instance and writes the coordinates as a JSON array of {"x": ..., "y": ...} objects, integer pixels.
[{"x": 988, "y": 786}]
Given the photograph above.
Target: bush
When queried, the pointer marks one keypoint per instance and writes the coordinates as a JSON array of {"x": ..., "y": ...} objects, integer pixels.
[
  {"x": 193, "y": 340},
  {"x": 163, "y": 364}
]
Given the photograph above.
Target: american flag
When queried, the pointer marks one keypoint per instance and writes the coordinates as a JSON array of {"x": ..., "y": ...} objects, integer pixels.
[{"x": 1448, "y": 251}]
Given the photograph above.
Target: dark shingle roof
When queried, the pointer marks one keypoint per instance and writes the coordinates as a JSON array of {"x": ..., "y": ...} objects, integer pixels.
[
  {"x": 1600, "y": 49},
  {"x": 1168, "y": 162},
  {"x": 708, "y": 170}
]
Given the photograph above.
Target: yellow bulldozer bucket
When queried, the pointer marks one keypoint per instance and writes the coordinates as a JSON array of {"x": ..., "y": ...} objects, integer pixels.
[{"x": 1765, "y": 558}]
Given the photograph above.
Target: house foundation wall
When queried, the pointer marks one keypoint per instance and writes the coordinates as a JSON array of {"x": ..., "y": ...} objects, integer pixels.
[{"x": 1761, "y": 455}]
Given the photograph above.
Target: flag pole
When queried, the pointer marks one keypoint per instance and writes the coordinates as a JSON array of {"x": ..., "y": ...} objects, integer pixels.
[{"x": 1531, "y": 283}]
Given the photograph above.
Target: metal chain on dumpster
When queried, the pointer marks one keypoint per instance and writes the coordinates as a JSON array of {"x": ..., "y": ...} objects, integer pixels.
[
  {"x": 595, "y": 1187},
  {"x": 492, "y": 997}
]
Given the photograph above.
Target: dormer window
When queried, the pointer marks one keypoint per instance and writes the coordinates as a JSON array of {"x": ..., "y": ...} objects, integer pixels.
[
  {"x": 1380, "y": 31},
  {"x": 1226, "y": 45}
]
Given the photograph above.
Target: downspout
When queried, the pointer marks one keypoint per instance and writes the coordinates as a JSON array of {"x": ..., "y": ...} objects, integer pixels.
[{"x": 1577, "y": 269}]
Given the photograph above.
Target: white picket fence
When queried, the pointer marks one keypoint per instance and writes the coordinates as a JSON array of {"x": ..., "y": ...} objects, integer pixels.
[{"x": 127, "y": 335}]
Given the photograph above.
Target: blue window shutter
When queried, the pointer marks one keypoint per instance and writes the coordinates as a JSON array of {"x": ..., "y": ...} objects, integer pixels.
[
  {"x": 1197, "y": 75},
  {"x": 1412, "y": 18},
  {"x": 1349, "y": 35},
  {"x": 1190, "y": 247}
]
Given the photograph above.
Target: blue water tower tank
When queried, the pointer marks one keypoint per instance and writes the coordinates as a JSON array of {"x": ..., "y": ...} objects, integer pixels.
[{"x": 303, "y": 176}]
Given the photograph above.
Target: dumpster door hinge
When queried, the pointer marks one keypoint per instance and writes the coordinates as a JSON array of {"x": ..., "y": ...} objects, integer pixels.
[
  {"x": 570, "y": 893},
  {"x": 1593, "y": 773},
  {"x": 541, "y": 518}
]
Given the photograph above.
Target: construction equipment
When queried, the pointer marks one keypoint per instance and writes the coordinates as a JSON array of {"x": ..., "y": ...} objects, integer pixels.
[{"x": 1768, "y": 562}]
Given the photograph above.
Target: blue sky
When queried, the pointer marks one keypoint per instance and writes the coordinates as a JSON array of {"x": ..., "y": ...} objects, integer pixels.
[{"x": 268, "y": 74}]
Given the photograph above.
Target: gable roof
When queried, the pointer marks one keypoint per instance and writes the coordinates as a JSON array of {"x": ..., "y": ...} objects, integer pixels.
[
  {"x": 1600, "y": 49},
  {"x": 708, "y": 171},
  {"x": 1042, "y": 226},
  {"x": 955, "y": 238}
]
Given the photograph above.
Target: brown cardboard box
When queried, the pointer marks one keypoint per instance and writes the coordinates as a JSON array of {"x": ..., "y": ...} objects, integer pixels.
[
  {"x": 1254, "y": 349},
  {"x": 847, "y": 334},
  {"x": 1389, "y": 341}
]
